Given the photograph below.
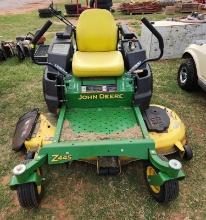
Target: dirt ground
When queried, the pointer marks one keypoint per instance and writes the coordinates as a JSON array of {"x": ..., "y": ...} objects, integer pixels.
[{"x": 22, "y": 6}]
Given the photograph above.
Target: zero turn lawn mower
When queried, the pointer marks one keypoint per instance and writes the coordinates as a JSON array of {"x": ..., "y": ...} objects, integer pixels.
[{"x": 99, "y": 83}]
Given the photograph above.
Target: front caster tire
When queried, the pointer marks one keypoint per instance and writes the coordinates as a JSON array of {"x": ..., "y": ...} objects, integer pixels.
[
  {"x": 163, "y": 194},
  {"x": 187, "y": 75},
  {"x": 188, "y": 155},
  {"x": 29, "y": 195}
]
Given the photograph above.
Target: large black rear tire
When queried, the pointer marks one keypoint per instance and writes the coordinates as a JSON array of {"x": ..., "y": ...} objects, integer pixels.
[{"x": 187, "y": 75}]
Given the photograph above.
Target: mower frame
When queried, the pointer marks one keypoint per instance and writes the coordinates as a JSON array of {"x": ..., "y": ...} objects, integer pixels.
[{"x": 59, "y": 152}]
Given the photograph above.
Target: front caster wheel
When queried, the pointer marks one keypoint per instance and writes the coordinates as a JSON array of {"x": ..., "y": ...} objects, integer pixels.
[
  {"x": 188, "y": 155},
  {"x": 165, "y": 193},
  {"x": 29, "y": 195}
]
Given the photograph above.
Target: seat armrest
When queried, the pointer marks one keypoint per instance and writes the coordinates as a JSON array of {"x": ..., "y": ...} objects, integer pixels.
[{"x": 67, "y": 34}]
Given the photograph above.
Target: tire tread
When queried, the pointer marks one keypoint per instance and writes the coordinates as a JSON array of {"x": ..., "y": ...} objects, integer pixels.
[
  {"x": 192, "y": 81},
  {"x": 27, "y": 195}
]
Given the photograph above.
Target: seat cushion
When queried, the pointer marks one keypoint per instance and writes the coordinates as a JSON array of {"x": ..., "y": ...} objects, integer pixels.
[
  {"x": 96, "y": 31},
  {"x": 94, "y": 64}
]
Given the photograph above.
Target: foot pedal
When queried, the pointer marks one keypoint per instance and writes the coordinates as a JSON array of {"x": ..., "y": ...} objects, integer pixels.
[
  {"x": 108, "y": 166},
  {"x": 24, "y": 128},
  {"x": 156, "y": 119}
]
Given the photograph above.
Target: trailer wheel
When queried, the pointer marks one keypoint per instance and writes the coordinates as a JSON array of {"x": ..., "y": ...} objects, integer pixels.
[
  {"x": 29, "y": 195},
  {"x": 165, "y": 193},
  {"x": 188, "y": 155},
  {"x": 187, "y": 75}
]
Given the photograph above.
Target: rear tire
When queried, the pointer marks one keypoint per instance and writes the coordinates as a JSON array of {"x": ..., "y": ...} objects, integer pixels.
[{"x": 187, "y": 75}]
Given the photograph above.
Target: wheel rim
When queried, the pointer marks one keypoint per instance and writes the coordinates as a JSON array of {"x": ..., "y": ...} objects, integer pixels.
[
  {"x": 183, "y": 75},
  {"x": 151, "y": 172},
  {"x": 39, "y": 189}
]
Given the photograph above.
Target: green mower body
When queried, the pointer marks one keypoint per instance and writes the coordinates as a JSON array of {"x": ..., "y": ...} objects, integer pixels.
[{"x": 104, "y": 120}]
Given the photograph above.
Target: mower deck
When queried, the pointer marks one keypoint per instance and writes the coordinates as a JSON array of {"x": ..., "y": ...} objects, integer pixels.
[{"x": 142, "y": 147}]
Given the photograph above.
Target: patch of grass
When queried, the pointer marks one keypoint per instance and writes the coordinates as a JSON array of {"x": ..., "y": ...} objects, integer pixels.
[{"x": 76, "y": 192}]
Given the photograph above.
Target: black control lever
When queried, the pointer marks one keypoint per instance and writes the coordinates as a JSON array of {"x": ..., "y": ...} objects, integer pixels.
[
  {"x": 156, "y": 34},
  {"x": 36, "y": 38},
  {"x": 60, "y": 17},
  {"x": 41, "y": 32},
  {"x": 161, "y": 47}
]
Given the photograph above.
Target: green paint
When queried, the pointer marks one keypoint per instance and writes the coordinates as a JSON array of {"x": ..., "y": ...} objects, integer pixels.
[
  {"x": 30, "y": 174},
  {"x": 78, "y": 98},
  {"x": 59, "y": 124},
  {"x": 99, "y": 81},
  {"x": 33, "y": 178},
  {"x": 95, "y": 100},
  {"x": 141, "y": 122},
  {"x": 86, "y": 149},
  {"x": 163, "y": 165},
  {"x": 101, "y": 120},
  {"x": 161, "y": 178}
]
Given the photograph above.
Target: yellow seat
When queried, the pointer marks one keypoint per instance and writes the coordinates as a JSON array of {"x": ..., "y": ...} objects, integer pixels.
[
  {"x": 96, "y": 36},
  {"x": 89, "y": 64}
]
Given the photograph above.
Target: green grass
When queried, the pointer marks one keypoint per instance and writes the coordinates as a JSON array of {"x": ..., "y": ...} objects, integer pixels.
[{"x": 76, "y": 192}]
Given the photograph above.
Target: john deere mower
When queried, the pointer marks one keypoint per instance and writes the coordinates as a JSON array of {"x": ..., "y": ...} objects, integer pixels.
[{"x": 98, "y": 82}]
